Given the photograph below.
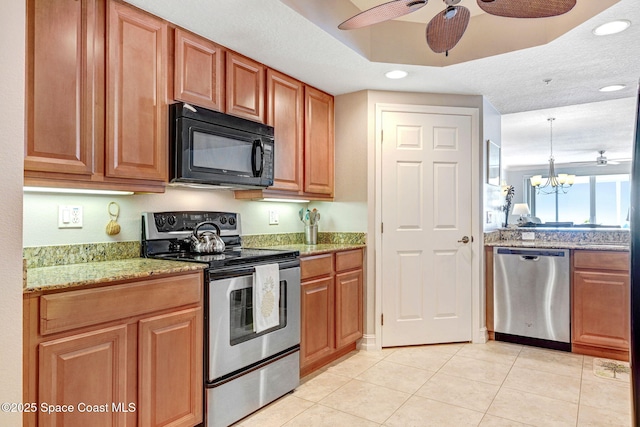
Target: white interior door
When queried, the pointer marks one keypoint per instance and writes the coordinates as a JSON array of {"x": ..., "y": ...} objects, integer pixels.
[{"x": 426, "y": 215}]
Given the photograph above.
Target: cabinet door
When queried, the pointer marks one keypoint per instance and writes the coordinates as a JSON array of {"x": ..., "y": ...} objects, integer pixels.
[
  {"x": 65, "y": 86},
  {"x": 284, "y": 113},
  {"x": 89, "y": 368},
  {"x": 601, "y": 309},
  {"x": 137, "y": 108},
  {"x": 348, "y": 307},
  {"x": 199, "y": 71},
  {"x": 245, "y": 87},
  {"x": 318, "y": 142},
  {"x": 170, "y": 370},
  {"x": 317, "y": 312}
]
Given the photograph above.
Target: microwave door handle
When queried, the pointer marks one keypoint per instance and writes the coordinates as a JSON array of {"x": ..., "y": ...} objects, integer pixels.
[{"x": 257, "y": 144}]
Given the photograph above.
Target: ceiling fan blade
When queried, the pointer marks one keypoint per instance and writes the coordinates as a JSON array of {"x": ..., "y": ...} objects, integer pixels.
[
  {"x": 526, "y": 9},
  {"x": 382, "y": 12},
  {"x": 446, "y": 29}
]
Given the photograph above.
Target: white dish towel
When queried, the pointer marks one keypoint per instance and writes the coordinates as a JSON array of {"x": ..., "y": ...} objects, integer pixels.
[{"x": 266, "y": 297}]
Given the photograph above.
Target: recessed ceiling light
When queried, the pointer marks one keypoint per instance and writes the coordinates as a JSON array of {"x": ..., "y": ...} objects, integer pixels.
[
  {"x": 611, "y": 88},
  {"x": 612, "y": 27},
  {"x": 396, "y": 74}
]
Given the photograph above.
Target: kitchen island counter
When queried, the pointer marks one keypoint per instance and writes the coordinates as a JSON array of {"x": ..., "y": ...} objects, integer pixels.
[
  {"x": 100, "y": 273},
  {"x": 593, "y": 246}
]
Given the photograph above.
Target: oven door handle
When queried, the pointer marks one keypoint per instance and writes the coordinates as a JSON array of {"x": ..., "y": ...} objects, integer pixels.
[{"x": 254, "y": 163}]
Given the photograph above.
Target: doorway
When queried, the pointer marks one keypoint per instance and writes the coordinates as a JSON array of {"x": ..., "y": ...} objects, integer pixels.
[{"x": 427, "y": 204}]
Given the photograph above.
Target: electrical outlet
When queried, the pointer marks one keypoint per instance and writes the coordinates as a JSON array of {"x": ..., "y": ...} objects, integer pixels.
[
  {"x": 274, "y": 218},
  {"x": 528, "y": 235},
  {"x": 69, "y": 216}
]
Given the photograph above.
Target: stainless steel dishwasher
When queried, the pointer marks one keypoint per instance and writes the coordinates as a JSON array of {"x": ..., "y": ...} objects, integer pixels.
[{"x": 531, "y": 297}]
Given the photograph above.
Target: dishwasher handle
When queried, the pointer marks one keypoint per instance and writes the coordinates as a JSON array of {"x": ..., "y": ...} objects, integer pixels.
[{"x": 529, "y": 258}]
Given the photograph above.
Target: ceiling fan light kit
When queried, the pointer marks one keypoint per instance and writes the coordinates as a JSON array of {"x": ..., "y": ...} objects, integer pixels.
[
  {"x": 445, "y": 30},
  {"x": 555, "y": 183}
]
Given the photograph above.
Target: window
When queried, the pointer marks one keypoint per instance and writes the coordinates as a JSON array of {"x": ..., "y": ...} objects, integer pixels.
[
  {"x": 612, "y": 199},
  {"x": 601, "y": 199}
]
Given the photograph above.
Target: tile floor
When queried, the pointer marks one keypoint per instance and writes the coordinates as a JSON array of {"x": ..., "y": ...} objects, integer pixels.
[{"x": 493, "y": 384}]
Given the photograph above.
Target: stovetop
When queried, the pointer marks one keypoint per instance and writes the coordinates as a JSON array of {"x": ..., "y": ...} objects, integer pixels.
[
  {"x": 232, "y": 257},
  {"x": 165, "y": 235}
]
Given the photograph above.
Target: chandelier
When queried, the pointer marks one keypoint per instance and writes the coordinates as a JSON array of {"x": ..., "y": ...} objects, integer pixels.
[{"x": 555, "y": 182}]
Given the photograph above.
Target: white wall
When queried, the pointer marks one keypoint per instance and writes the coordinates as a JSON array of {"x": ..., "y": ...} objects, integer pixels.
[
  {"x": 356, "y": 163},
  {"x": 493, "y": 199},
  {"x": 41, "y": 214},
  {"x": 12, "y": 63},
  {"x": 348, "y": 211}
]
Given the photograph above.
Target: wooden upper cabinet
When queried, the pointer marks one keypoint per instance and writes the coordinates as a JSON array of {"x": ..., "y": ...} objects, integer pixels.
[
  {"x": 285, "y": 97},
  {"x": 137, "y": 105},
  {"x": 318, "y": 142},
  {"x": 245, "y": 87},
  {"x": 198, "y": 71},
  {"x": 65, "y": 86}
]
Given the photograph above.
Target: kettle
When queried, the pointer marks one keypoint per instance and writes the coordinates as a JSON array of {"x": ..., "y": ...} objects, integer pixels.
[{"x": 207, "y": 242}]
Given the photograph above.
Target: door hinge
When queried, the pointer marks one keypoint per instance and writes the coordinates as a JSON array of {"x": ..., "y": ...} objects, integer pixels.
[
  {"x": 382, "y": 227},
  {"x": 381, "y": 136},
  {"x": 382, "y": 319}
]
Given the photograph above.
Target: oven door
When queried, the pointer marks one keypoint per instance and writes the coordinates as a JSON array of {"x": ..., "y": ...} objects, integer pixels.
[{"x": 233, "y": 345}]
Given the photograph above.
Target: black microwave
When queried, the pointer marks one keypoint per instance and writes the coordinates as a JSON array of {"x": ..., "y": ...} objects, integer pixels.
[{"x": 208, "y": 147}]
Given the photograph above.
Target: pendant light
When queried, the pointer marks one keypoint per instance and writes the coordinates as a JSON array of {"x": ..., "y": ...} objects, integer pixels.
[{"x": 555, "y": 183}]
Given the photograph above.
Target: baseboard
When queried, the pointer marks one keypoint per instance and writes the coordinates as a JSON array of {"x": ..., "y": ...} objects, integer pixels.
[
  {"x": 368, "y": 343},
  {"x": 481, "y": 336}
]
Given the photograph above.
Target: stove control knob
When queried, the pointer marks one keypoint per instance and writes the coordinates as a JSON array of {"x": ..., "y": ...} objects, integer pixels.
[
  {"x": 160, "y": 221},
  {"x": 171, "y": 220},
  {"x": 223, "y": 220},
  {"x": 232, "y": 221}
]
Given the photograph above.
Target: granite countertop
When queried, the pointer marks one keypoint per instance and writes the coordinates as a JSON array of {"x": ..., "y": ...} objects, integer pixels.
[
  {"x": 92, "y": 273},
  {"x": 321, "y": 248},
  {"x": 596, "y": 246}
]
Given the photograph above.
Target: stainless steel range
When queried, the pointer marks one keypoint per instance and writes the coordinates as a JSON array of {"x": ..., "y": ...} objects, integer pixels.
[{"x": 244, "y": 369}]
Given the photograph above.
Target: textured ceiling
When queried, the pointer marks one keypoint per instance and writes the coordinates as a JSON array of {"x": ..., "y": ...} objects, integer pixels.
[{"x": 577, "y": 62}]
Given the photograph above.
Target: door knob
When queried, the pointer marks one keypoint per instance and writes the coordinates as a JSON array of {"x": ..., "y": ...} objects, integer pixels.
[{"x": 465, "y": 239}]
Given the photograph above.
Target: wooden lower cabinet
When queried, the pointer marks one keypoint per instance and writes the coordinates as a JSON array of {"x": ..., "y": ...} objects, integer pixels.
[
  {"x": 601, "y": 304},
  {"x": 170, "y": 369},
  {"x": 141, "y": 367},
  {"x": 348, "y": 307},
  {"x": 317, "y": 337},
  {"x": 84, "y": 375},
  {"x": 331, "y": 307}
]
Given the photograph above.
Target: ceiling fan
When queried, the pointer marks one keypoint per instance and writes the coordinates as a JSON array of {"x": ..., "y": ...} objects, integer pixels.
[
  {"x": 445, "y": 29},
  {"x": 601, "y": 160}
]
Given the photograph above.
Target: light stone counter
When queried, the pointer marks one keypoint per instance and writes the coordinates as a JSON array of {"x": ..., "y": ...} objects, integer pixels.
[{"x": 103, "y": 272}]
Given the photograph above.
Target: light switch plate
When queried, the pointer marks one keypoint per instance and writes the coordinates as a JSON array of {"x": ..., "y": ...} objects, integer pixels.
[
  {"x": 274, "y": 218},
  {"x": 489, "y": 219},
  {"x": 528, "y": 235},
  {"x": 69, "y": 216}
]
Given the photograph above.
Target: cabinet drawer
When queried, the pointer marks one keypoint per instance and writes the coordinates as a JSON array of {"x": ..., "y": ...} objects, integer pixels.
[
  {"x": 74, "y": 309},
  {"x": 318, "y": 265},
  {"x": 348, "y": 260},
  {"x": 601, "y": 260}
]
